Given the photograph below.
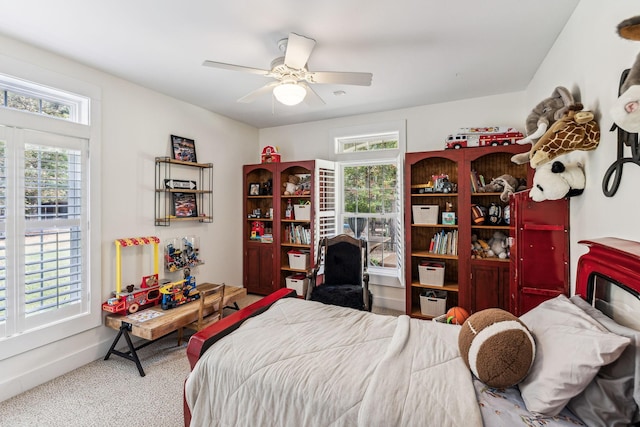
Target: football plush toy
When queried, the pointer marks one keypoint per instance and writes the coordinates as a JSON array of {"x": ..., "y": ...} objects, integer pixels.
[{"x": 497, "y": 347}]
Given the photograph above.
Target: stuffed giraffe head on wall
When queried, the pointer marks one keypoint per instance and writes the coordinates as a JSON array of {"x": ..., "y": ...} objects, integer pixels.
[{"x": 576, "y": 130}]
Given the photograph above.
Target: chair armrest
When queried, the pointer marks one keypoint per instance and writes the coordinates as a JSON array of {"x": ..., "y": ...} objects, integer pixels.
[{"x": 201, "y": 341}]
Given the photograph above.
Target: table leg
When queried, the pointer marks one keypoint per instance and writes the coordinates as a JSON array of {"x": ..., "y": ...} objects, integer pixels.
[{"x": 131, "y": 354}]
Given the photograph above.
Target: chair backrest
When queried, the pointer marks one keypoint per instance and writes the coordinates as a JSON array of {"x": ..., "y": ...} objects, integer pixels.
[
  {"x": 344, "y": 260},
  {"x": 210, "y": 309}
]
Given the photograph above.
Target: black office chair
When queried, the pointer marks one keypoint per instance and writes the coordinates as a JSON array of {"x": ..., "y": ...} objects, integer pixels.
[{"x": 340, "y": 275}]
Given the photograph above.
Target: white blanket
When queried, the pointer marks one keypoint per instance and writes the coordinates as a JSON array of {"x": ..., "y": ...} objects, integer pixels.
[{"x": 303, "y": 363}]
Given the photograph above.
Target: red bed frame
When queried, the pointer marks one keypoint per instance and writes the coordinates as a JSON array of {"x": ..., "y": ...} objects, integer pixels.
[
  {"x": 616, "y": 259},
  {"x": 202, "y": 340}
]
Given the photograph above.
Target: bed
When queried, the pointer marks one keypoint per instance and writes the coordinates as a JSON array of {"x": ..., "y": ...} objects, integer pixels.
[{"x": 283, "y": 361}]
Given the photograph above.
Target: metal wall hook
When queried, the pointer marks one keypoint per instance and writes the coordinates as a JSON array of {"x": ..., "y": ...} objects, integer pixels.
[{"x": 624, "y": 138}]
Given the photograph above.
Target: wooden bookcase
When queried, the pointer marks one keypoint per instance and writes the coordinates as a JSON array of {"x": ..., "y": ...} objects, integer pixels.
[
  {"x": 266, "y": 264},
  {"x": 474, "y": 284}
]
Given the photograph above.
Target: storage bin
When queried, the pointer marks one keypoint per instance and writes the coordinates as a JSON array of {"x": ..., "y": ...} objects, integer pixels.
[
  {"x": 302, "y": 212},
  {"x": 431, "y": 273},
  {"x": 299, "y": 282},
  {"x": 425, "y": 214},
  {"x": 433, "y": 303},
  {"x": 298, "y": 260}
]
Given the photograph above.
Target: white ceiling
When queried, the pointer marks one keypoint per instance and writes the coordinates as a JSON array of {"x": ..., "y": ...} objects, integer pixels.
[{"x": 419, "y": 51}]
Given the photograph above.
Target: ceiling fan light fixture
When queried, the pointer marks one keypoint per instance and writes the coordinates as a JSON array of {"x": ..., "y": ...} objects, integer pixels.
[{"x": 289, "y": 93}]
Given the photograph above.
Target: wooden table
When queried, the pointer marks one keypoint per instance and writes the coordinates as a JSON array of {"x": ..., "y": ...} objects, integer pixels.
[{"x": 166, "y": 322}]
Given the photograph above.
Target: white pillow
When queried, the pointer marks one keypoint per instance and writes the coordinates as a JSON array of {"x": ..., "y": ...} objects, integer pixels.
[{"x": 570, "y": 349}]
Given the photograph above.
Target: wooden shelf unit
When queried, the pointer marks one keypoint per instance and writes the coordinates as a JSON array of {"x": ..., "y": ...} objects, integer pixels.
[
  {"x": 467, "y": 280},
  {"x": 266, "y": 265},
  {"x": 168, "y": 169}
]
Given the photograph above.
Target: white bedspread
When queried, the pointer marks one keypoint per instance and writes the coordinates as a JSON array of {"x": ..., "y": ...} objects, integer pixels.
[{"x": 303, "y": 363}]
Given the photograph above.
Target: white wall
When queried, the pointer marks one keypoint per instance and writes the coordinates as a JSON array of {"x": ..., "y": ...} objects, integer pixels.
[
  {"x": 588, "y": 58},
  {"x": 136, "y": 124},
  {"x": 427, "y": 129}
]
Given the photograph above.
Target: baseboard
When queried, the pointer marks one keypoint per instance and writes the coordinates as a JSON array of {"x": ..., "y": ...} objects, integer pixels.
[
  {"x": 389, "y": 303},
  {"x": 44, "y": 372}
]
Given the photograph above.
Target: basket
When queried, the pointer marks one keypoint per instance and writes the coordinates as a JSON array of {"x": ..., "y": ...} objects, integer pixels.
[
  {"x": 433, "y": 303},
  {"x": 298, "y": 260},
  {"x": 299, "y": 282},
  {"x": 431, "y": 273},
  {"x": 425, "y": 214}
]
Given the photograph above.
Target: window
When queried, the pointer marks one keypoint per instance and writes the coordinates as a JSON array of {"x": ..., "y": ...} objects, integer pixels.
[
  {"x": 370, "y": 169},
  {"x": 30, "y": 97},
  {"x": 45, "y": 238}
]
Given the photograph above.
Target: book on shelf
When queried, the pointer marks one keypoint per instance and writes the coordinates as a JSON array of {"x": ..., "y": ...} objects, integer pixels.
[
  {"x": 444, "y": 243},
  {"x": 297, "y": 234},
  {"x": 477, "y": 181}
]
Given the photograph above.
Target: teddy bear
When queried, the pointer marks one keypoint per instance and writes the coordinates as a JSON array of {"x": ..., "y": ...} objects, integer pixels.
[
  {"x": 558, "y": 180},
  {"x": 545, "y": 113},
  {"x": 291, "y": 185},
  {"x": 577, "y": 129},
  {"x": 498, "y": 245},
  {"x": 506, "y": 184}
]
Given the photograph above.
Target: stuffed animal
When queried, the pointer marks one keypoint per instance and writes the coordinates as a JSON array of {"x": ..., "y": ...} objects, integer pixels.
[
  {"x": 291, "y": 185},
  {"x": 498, "y": 245},
  {"x": 626, "y": 109},
  {"x": 497, "y": 347},
  {"x": 506, "y": 184},
  {"x": 557, "y": 180},
  {"x": 576, "y": 130},
  {"x": 479, "y": 247},
  {"x": 546, "y": 112}
]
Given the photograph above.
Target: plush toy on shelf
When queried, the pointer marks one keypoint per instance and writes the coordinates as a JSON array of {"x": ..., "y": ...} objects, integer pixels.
[
  {"x": 498, "y": 245},
  {"x": 558, "y": 180},
  {"x": 479, "y": 247},
  {"x": 506, "y": 184},
  {"x": 292, "y": 185}
]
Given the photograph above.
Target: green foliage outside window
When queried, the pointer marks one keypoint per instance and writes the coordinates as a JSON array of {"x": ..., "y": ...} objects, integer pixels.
[{"x": 35, "y": 104}]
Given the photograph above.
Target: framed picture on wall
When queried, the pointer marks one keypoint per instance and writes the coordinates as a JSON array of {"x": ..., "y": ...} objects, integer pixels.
[
  {"x": 183, "y": 149},
  {"x": 184, "y": 205}
]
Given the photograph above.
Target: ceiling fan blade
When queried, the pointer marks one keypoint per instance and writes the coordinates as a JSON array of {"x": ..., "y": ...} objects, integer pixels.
[
  {"x": 252, "y": 96},
  {"x": 233, "y": 67},
  {"x": 312, "y": 99},
  {"x": 298, "y": 51},
  {"x": 337, "y": 77}
]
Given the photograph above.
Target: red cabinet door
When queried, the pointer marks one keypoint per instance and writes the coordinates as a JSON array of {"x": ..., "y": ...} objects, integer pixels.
[
  {"x": 540, "y": 251},
  {"x": 259, "y": 269},
  {"x": 489, "y": 286}
]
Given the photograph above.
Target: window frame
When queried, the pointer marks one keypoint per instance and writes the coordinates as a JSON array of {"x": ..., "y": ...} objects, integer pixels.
[
  {"x": 383, "y": 276},
  {"x": 17, "y": 121}
]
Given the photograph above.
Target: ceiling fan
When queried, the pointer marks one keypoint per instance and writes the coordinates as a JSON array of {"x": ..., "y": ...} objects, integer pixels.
[{"x": 292, "y": 76}]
